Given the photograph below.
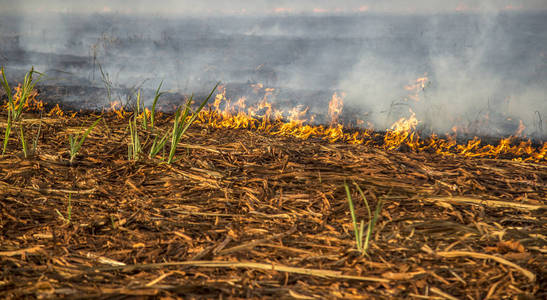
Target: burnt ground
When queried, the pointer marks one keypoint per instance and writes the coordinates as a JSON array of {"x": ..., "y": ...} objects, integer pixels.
[{"x": 243, "y": 214}]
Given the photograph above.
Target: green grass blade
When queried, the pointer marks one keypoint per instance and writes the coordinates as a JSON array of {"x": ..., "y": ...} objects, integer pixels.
[
  {"x": 181, "y": 123},
  {"x": 361, "y": 235},
  {"x": 353, "y": 218},
  {"x": 7, "y": 89},
  {"x": 372, "y": 224},
  {"x": 71, "y": 142},
  {"x": 195, "y": 115},
  {"x": 370, "y": 227},
  {"x": 6, "y": 86},
  {"x": 157, "y": 146},
  {"x": 15, "y": 111},
  {"x": 23, "y": 141},
  {"x": 135, "y": 142},
  {"x": 131, "y": 145},
  {"x": 364, "y": 199},
  {"x": 156, "y": 98},
  {"x": 7, "y": 134},
  {"x": 75, "y": 145},
  {"x": 376, "y": 213},
  {"x": 175, "y": 135},
  {"x": 26, "y": 89},
  {"x": 86, "y": 133}
]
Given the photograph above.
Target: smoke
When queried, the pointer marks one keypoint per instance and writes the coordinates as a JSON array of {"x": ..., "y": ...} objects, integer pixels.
[
  {"x": 484, "y": 76},
  {"x": 261, "y": 7},
  {"x": 485, "y": 62}
]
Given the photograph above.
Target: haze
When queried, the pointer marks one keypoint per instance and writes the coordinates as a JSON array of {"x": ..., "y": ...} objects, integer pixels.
[
  {"x": 484, "y": 60},
  {"x": 253, "y": 7}
]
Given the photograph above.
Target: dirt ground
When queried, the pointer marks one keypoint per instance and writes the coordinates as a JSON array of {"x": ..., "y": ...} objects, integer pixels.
[{"x": 243, "y": 214}]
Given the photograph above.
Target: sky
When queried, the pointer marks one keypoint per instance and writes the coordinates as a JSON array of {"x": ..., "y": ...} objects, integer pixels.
[{"x": 260, "y": 7}]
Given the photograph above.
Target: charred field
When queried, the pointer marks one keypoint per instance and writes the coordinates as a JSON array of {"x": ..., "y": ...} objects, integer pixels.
[{"x": 245, "y": 213}]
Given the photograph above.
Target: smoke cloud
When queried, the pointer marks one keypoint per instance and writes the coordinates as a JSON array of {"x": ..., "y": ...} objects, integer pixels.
[
  {"x": 187, "y": 7},
  {"x": 480, "y": 66}
]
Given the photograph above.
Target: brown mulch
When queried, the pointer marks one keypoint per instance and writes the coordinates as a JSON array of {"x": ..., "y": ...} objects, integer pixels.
[{"x": 247, "y": 215}]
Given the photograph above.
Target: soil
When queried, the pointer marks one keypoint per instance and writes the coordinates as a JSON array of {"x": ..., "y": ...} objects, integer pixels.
[{"x": 243, "y": 214}]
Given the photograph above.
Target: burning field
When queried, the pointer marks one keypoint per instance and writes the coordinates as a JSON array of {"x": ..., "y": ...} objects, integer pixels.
[
  {"x": 236, "y": 201},
  {"x": 396, "y": 150}
]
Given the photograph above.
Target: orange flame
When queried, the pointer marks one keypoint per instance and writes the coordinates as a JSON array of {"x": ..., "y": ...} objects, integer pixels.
[
  {"x": 32, "y": 103},
  {"x": 402, "y": 132},
  {"x": 117, "y": 108},
  {"x": 520, "y": 129},
  {"x": 336, "y": 105},
  {"x": 56, "y": 111},
  {"x": 417, "y": 87},
  {"x": 264, "y": 117}
]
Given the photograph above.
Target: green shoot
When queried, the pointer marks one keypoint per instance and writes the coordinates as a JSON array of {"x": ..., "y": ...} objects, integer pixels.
[
  {"x": 68, "y": 217},
  {"x": 24, "y": 144},
  {"x": 134, "y": 148},
  {"x": 23, "y": 141},
  {"x": 7, "y": 134},
  {"x": 181, "y": 122},
  {"x": 359, "y": 231},
  {"x": 353, "y": 218},
  {"x": 157, "y": 145},
  {"x": 156, "y": 97},
  {"x": 372, "y": 218},
  {"x": 76, "y": 144},
  {"x": 144, "y": 115},
  {"x": 178, "y": 126},
  {"x": 15, "y": 106}
]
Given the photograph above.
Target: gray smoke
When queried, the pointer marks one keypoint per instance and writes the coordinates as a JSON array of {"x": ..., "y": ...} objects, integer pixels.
[
  {"x": 262, "y": 7},
  {"x": 485, "y": 63}
]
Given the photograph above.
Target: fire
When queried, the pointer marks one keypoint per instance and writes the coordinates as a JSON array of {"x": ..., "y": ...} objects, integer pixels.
[
  {"x": 264, "y": 117},
  {"x": 336, "y": 105},
  {"x": 32, "y": 103},
  {"x": 297, "y": 122},
  {"x": 416, "y": 87},
  {"x": 401, "y": 132},
  {"x": 520, "y": 129},
  {"x": 298, "y": 114},
  {"x": 117, "y": 108},
  {"x": 56, "y": 111}
]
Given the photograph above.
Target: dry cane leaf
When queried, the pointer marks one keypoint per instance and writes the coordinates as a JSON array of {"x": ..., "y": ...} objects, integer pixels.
[
  {"x": 22, "y": 251},
  {"x": 510, "y": 246},
  {"x": 296, "y": 295},
  {"x": 401, "y": 276},
  {"x": 138, "y": 245}
]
